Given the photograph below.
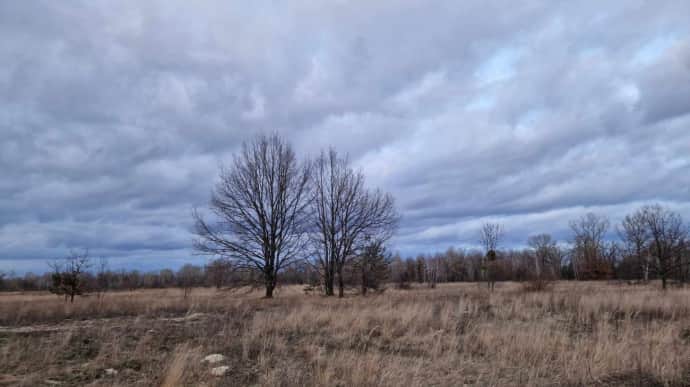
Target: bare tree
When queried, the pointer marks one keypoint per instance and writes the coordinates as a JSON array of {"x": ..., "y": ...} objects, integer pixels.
[
  {"x": 668, "y": 237},
  {"x": 188, "y": 277},
  {"x": 432, "y": 270},
  {"x": 68, "y": 275},
  {"x": 546, "y": 254},
  {"x": 260, "y": 204},
  {"x": 634, "y": 233},
  {"x": 588, "y": 247},
  {"x": 344, "y": 214},
  {"x": 490, "y": 236},
  {"x": 218, "y": 272},
  {"x": 102, "y": 276}
]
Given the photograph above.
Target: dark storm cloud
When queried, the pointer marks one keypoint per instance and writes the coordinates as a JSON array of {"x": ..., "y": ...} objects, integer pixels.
[{"x": 114, "y": 117}]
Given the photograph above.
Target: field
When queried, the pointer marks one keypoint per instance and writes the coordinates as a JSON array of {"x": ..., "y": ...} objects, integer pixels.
[{"x": 579, "y": 333}]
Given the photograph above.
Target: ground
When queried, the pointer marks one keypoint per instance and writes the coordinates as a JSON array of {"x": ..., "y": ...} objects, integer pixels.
[{"x": 577, "y": 333}]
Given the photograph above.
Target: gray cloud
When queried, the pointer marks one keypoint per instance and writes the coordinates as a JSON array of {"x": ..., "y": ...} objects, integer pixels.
[{"x": 114, "y": 117}]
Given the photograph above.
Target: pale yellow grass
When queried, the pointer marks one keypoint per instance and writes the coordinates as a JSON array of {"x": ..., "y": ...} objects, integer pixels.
[{"x": 576, "y": 334}]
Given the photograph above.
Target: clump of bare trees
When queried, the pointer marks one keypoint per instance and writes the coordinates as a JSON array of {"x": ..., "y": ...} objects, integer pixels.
[
  {"x": 269, "y": 208},
  {"x": 547, "y": 257},
  {"x": 657, "y": 239},
  {"x": 345, "y": 216},
  {"x": 68, "y": 275},
  {"x": 589, "y": 253}
]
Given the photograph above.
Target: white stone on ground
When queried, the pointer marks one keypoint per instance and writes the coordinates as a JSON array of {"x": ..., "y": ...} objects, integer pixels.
[
  {"x": 214, "y": 358},
  {"x": 110, "y": 371},
  {"x": 220, "y": 371}
]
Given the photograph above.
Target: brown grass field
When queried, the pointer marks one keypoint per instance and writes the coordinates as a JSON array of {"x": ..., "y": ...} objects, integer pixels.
[{"x": 457, "y": 334}]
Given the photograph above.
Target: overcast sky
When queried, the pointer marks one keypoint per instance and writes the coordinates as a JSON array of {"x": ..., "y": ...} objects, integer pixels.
[{"x": 114, "y": 116}]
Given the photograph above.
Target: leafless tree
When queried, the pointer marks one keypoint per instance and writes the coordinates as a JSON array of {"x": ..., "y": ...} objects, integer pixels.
[
  {"x": 188, "y": 277},
  {"x": 102, "y": 276},
  {"x": 668, "y": 237},
  {"x": 490, "y": 236},
  {"x": 261, "y": 207},
  {"x": 218, "y": 272},
  {"x": 634, "y": 233},
  {"x": 546, "y": 256},
  {"x": 68, "y": 274},
  {"x": 432, "y": 270},
  {"x": 344, "y": 214},
  {"x": 588, "y": 247}
]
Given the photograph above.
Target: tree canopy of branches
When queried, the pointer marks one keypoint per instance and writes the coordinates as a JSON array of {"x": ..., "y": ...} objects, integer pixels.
[
  {"x": 547, "y": 256},
  {"x": 589, "y": 247},
  {"x": 667, "y": 240},
  {"x": 218, "y": 271},
  {"x": 260, "y": 204},
  {"x": 68, "y": 273},
  {"x": 345, "y": 214}
]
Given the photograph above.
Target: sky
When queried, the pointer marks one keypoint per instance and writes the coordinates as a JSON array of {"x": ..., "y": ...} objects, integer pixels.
[{"x": 115, "y": 116}]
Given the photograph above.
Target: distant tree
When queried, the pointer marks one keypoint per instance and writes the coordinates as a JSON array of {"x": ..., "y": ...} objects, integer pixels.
[
  {"x": 547, "y": 257},
  {"x": 668, "y": 238},
  {"x": 167, "y": 278},
  {"x": 3, "y": 275},
  {"x": 261, "y": 207},
  {"x": 490, "y": 236},
  {"x": 432, "y": 270},
  {"x": 635, "y": 235},
  {"x": 421, "y": 268},
  {"x": 373, "y": 266},
  {"x": 102, "y": 276},
  {"x": 344, "y": 214},
  {"x": 188, "y": 277},
  {"x": 68, "y": 275},
  {"x": 218, "y": 272},
  {"x": 589, "y": 247}
]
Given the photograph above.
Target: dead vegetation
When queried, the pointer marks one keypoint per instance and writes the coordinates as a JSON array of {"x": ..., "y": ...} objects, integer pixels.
[{"x": 576, "y": 334}]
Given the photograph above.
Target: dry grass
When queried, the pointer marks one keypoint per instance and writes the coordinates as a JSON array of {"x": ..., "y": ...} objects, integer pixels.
[{"x": 576, "y": 334}]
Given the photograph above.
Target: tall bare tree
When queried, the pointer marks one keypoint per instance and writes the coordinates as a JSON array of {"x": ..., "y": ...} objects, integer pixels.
[
  {"x": 588, "y": 247},
  {"x": 345, "y": 214},
  {"x": 490, "y": 236},
  {"x": 260, "y": 205},
  {"x": 668, "y": 237},
  {"x": 546, "y": 256},
  {"x": 634, "y": 233}
]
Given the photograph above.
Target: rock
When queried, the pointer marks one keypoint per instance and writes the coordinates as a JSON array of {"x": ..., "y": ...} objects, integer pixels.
[
  {"x": 214, "y": 358},
  {"x": 220, "y": 371},
  {"x": 111, "y": 371}
]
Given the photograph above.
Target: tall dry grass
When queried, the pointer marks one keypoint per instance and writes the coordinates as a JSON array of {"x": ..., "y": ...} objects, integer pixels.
[{"x": 576, "y": 334}]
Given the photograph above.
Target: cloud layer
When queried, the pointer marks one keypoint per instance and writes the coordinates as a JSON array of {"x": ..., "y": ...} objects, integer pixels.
[{"x": 114, "y": 117}]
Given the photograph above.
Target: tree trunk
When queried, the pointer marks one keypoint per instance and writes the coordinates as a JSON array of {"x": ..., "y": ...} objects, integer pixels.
[
  {"x": 341, "y": 284},
  {"x": 328, "y": 282},
  {"x": 364, "y": 279},
  {"x": 269, "y": 290},
  {"x": 663, "y": 281},
  {"x": 270, "y": 282}
]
